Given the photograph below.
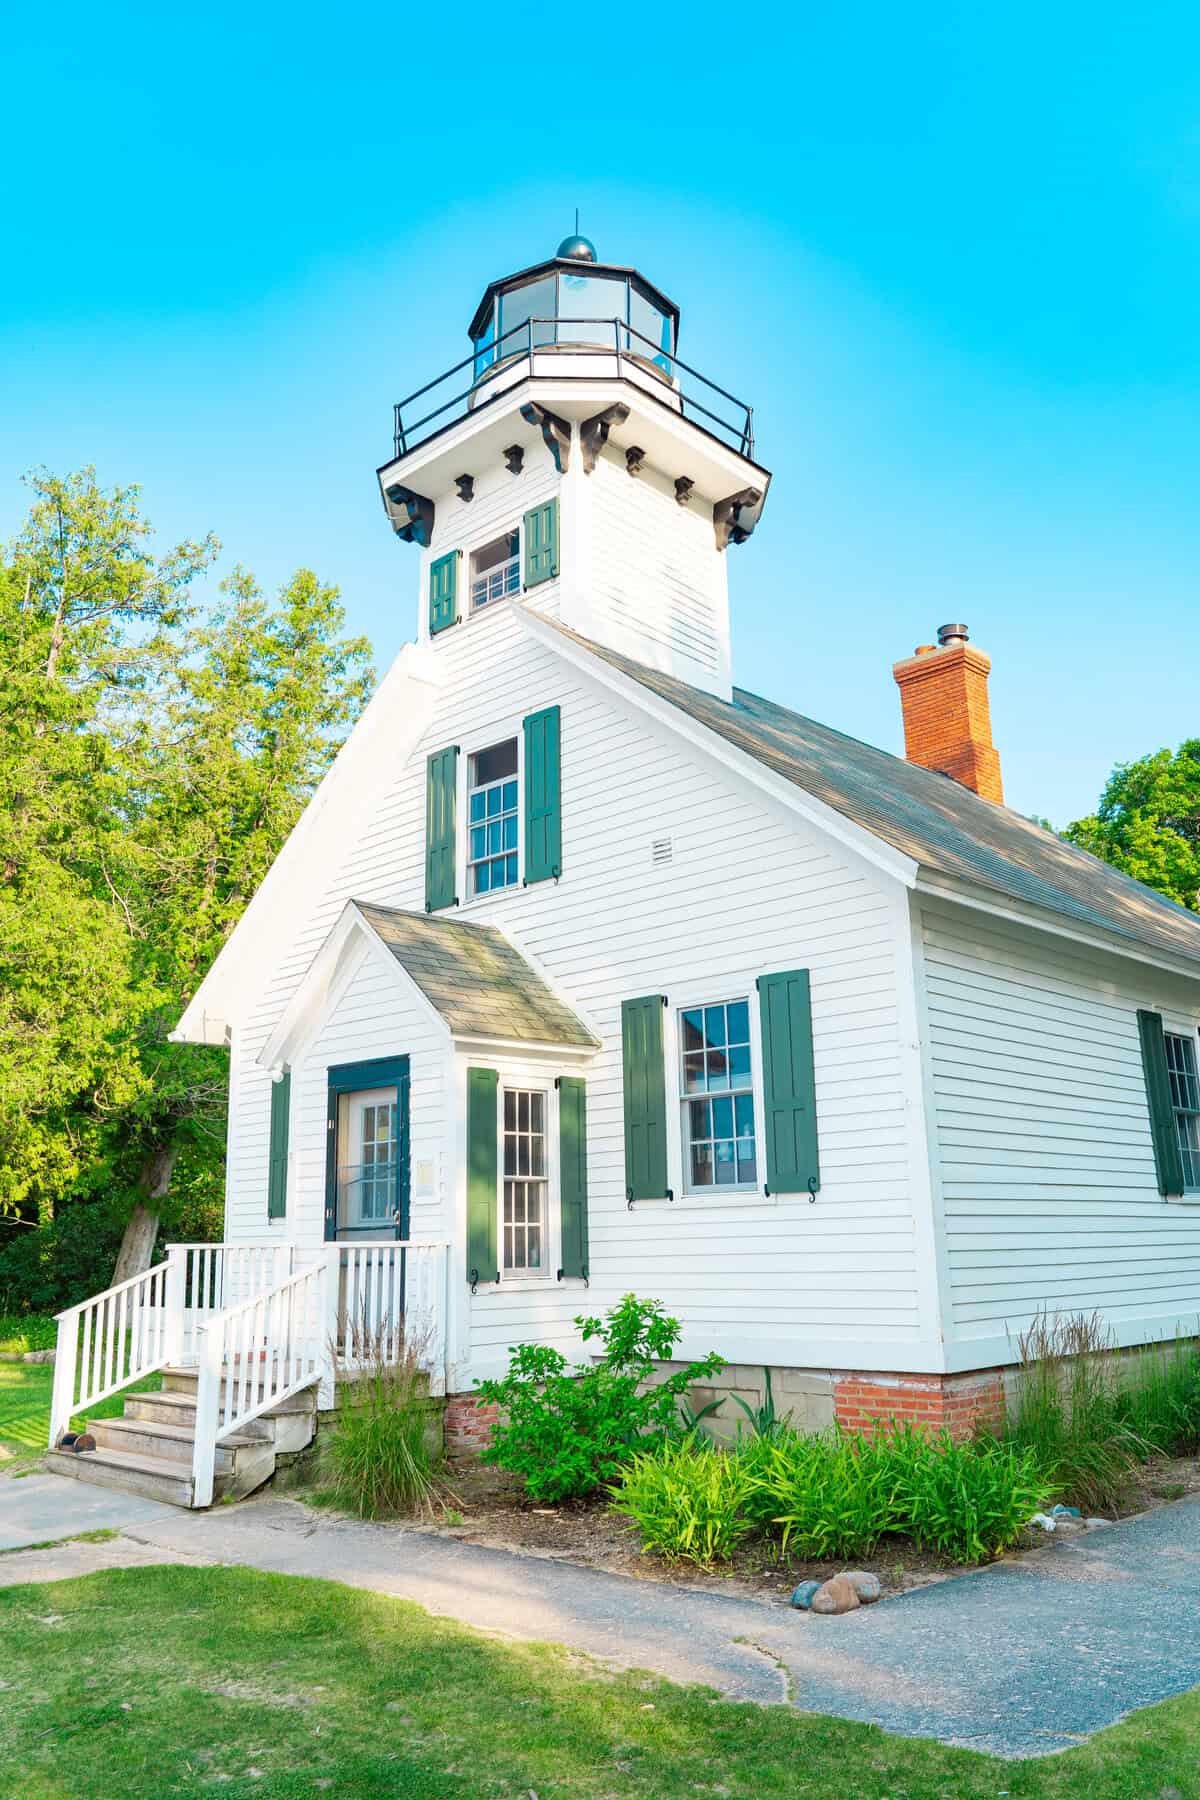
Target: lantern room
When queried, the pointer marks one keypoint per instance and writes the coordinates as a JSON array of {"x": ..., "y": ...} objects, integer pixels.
[{"x": 576, "y": 301}]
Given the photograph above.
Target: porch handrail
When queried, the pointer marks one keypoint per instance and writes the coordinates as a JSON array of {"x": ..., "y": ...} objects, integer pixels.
[
  {"x": 115, "y": 1337},
  {"x": 254, "y": 1355}
]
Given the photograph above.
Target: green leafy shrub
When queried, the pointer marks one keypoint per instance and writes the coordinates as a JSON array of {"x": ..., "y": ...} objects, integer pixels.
[
  {"x": 688, "y": 1500},
  {"x": 965, "y": 1500},
  {"x": 567, "y": 1431},
  {"x": 30, "y": 1331},
  {"x": 379, "y": 1457},
  {"x": 828, "y": 1495}
]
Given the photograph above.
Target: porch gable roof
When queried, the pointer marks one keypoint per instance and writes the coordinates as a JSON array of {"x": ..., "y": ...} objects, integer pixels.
[{"x": 476, "y": 979}]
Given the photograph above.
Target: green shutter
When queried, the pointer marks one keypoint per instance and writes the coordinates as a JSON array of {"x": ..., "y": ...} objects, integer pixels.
[
  {"x": 572, "y": 1174},
  {"x": 543, "y": 826},
  {"x": 1168, "y": 1162},
  {"x": 441, "y": 783},
  {"x": 482, "y": 1174},
  {"x": 443, "y": 592},
  {"x": 277, "y": 1163},
  {"x": 645, "y": 1099},
  {"x": 541, "y": 543},
  {"x": 789, "y": 1098}
]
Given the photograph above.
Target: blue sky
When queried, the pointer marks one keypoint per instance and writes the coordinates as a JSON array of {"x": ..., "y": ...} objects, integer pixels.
[{"x": 949, "y": 254}]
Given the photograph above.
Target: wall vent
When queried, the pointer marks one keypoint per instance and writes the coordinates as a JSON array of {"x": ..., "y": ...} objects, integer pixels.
[{"x": 662, "y": 850}]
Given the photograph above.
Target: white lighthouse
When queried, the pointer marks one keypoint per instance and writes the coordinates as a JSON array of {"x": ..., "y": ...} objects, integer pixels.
[{"x": 572, "y": 458}]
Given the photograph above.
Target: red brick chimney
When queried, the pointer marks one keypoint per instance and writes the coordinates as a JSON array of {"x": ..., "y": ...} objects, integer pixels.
[{"x": 947, "y": 724}]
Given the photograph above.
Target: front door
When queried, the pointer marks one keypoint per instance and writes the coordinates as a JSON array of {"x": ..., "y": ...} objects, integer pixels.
[{"x": 366, "y": 1187}]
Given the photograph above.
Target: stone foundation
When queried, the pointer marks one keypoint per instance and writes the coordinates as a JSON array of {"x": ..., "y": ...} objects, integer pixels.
[{"x": 813, "y": 1399}]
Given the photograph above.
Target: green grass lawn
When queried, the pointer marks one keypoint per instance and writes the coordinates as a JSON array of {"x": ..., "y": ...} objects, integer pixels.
[
  {"x": 25, "y": 1390},
  {"x": 187, "y": 1681}
]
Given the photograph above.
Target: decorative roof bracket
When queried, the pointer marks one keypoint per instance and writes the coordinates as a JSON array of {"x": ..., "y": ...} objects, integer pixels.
[
  {"x": 635, "y": 456},
  {"x": 514, "y": 458},
  {"x": 593, "y": 433},
  {"x": 727, "y": 517},
  {"x": 683, "y": 489},
  {"x": 466, "y": 486},
  {"x": 556, "y": 433},
  {"x": 411, "y": 515}
]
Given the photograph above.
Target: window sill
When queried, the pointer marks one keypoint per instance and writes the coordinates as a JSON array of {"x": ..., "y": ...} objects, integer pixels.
[
  {"x": 1191, "y": 1198},
  {"x": 706, "y": 1202}
]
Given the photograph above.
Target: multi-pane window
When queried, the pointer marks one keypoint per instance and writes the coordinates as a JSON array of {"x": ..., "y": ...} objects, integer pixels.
[
  {"x": 1185, "y": 1099},
  {"x": 496, "y": 571},
  {"x": 717, "y": 1095},
  {"x": 492, "y": 805},
  {"x": 524, "y": 1221},
  {"x": 368, "y": 1181}
]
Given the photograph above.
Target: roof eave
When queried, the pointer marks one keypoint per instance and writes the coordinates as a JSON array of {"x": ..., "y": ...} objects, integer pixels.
[{"x": 938, "y": 885}]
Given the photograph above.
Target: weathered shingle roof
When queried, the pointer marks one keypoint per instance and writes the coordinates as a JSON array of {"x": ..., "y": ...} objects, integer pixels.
[
  {"x": 946, "y": 828},
  {"x": 480, "y": 984}
]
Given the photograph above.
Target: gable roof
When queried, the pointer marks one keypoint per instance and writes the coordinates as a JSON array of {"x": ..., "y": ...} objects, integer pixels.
[
  {"x": 946, "y": 828},
  {"x": 475, "y": 979}
]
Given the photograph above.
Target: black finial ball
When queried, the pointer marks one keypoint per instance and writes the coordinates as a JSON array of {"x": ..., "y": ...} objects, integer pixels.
[{"x": 577, "y": 249}]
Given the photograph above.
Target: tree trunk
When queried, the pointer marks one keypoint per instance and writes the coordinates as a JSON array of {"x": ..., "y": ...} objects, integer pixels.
[{"x": 137, "y": 1245}]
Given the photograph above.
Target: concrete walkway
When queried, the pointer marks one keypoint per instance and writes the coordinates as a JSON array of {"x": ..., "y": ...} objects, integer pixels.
[{"x": 1024, "y": 1657}]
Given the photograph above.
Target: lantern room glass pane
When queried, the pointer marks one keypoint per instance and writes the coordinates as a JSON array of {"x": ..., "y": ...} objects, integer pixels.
[
  {"x": 485, "y": 345},
  {"x": 653, "y": 328},
  {"x": 533, "y": 301},
  {"x": 586, "y": 297}
]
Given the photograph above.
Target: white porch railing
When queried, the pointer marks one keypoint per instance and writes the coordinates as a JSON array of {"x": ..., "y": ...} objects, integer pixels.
[
  {"x": 215, "y": 1277},
  {"x": 112, "y": 1339},
  {"x": 392, "y": 1295},
  {"x": 254, "y": 1355}
]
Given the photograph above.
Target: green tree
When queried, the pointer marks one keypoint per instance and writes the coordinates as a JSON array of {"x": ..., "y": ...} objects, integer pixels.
[
  {"x": 1148, "y": 822},
  {"x": 86, "y": 611},
  {"x": 253, "y": 710}
]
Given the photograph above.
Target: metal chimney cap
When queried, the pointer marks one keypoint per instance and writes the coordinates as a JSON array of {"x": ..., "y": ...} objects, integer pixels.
[{"x": 951, "y": 634}]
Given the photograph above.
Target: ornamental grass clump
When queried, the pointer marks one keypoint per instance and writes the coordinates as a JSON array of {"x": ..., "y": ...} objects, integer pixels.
[
  {"x": 968, "y": 1501},
  {"x": 381, "y": 1453},
  {"x": 568, "y": 1431},
  {"x": 827, "y": 1495},
  {"x": 688, "y": 1500}
]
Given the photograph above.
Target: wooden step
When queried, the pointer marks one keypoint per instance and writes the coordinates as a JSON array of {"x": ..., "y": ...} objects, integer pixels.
[
  {"x": 183, "y": 1382},
  {"x": 180, "y": 1409},
  {"x": 175, "y": 1443},
  {"x": 150, "y": 1476}
]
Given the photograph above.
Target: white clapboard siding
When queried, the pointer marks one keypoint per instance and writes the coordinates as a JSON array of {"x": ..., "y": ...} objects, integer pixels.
[
  {"x": 1049, "y": 1197},
  {"x": 744, "y": 893}
]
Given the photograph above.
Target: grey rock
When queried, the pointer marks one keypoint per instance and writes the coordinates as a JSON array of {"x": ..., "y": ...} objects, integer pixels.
[{"x": 865, "y": 1585}]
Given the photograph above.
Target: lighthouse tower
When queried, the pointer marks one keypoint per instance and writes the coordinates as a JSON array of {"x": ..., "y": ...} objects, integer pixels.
[{"x": 573, "y": 460}]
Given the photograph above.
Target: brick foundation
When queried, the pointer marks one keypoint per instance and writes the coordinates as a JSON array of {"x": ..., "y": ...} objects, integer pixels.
[
  {"x": 468, "y": 1426},
  {"x": 954, "y": 1403}
]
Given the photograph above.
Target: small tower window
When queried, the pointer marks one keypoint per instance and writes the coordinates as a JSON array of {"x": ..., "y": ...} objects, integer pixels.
[
  {"x": 496, "y": 570},
  {"x": 492, "y": 801}
]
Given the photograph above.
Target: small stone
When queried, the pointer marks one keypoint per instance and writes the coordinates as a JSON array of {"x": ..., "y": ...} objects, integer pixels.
[
  {"x": 865, "y": 1585},
  {"x": 836, "y": 1595},
  {"x": 803, "y": 1595},
  {"x": 1066, "y": 1512},
  {"x": 1090, "y": 1522},
  {"x": 1045, "y": 1521}
]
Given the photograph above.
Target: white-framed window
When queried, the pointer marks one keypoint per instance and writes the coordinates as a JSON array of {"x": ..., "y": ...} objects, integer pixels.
[
  {"x": 496, "y": 570},
  {"x": 1185, "y": 1100},
  {"x": 716, "y": 1091},
  {"x": 492, "y": 819},
  {"x": 525, "y": 1182}
]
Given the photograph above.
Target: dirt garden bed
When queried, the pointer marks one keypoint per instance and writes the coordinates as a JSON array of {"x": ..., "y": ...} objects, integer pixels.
[{"x": 496, "y": 1513}]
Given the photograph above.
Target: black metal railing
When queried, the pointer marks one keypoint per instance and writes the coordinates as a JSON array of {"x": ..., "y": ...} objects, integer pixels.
[{"x": 696, "y": 397}]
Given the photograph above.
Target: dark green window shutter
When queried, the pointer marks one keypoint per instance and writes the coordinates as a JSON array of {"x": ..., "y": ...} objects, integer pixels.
[
  {"x": 543, "y": 823},
  {"x": 541, "y": 543},
  {"x": 1168, "y": 1162},
  {"x": 572, "y": 1174},
  {"x": 482, "y": 1175},
  {"x": 789, "y": 1098},
  {"x": 443, "y": 592},
  {"x": 281, "y": 1101},
  {"x": 441, "y": 783},
  {"x": 645, "y": 1099}
]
